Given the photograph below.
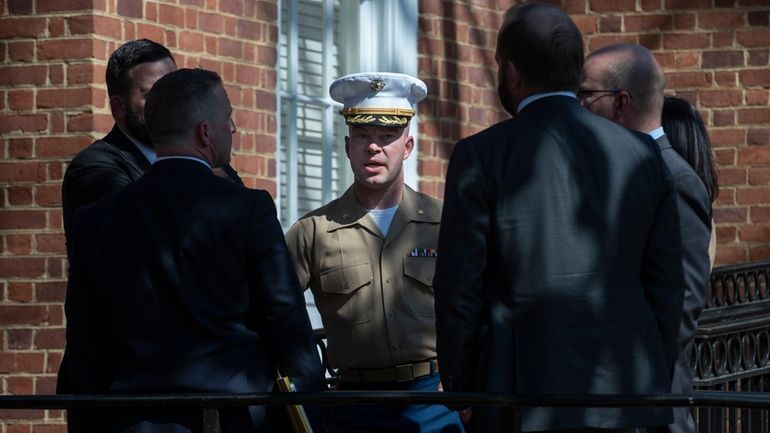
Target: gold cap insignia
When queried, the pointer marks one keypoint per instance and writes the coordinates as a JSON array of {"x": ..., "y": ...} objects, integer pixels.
[{"x": 377, "y": 84}]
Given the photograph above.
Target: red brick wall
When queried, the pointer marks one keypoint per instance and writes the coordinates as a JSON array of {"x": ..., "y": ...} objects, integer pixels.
[
  {"x": 714, "y": 53},
  {"x": 53, "y": 102}
]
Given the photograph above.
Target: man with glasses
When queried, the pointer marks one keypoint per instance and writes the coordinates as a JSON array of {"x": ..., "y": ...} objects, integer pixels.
[{"x": 624, "y": 83}]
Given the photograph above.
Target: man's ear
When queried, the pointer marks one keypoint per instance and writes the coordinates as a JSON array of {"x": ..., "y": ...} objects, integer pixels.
[
  {"x": 512, "y": 76},
  {"x": 622, "y": 104},
  {"x": 202, "y": 131},
  {"x": 118, "y": 107},
  {"x": 408, "y": 146}
]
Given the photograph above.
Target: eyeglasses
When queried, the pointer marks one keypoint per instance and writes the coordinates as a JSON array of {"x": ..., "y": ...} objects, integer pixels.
[{"x": 583, "y": 94}]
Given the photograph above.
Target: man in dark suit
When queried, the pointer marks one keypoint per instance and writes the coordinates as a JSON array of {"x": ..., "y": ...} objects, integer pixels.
[
  {"x": 181, "y": 281},
  {"x": 625, "y": 84},
  {"x": 123, "y": 155},
  {"x": 559, "y": 266}
]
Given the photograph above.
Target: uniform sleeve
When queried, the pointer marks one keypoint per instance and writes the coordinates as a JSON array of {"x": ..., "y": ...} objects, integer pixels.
[
  {"x": 461, "y": 264},
  {"x": 281, "y": 314},
  {"x": 298, "y": 240}
]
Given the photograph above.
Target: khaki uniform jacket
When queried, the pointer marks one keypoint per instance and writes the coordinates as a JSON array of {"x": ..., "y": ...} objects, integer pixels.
[{"x": 374, "y": 293}]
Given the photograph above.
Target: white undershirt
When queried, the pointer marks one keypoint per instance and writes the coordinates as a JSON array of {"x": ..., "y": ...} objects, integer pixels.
[{"x": 383, "y": 218}]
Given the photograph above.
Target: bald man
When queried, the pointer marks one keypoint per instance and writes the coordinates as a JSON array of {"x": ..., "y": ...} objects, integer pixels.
[{"x": 625, "y": 84}]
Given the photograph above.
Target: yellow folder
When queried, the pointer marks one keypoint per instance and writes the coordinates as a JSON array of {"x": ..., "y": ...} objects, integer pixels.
[{"x": 297, "y": 415}]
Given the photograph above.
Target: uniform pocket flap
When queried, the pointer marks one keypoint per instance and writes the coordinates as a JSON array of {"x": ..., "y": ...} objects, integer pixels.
[
  {"x": 421, "y": 269},
  {"x": 346, "y": 279}
]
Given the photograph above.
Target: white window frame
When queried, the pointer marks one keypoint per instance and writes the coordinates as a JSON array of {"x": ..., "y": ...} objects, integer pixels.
[{"x": 381, "y": 35}]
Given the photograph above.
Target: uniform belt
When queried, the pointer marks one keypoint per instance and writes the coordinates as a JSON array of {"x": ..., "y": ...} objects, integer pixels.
[{"x": 399, "y": 373}]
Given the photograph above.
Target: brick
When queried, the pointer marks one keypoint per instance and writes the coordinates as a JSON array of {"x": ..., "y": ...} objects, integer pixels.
[
  {"x": 683, "y": 41},
  {"x": 753, "y": 196},
  {"x": 684, "y": 21},
  {"x": 643, "y": 23},
  {"x": 759, "y": 253},
  {"x": 756, "y": 97},
  {"x": 750, "y": 116},
  {"x": 50, "y": 243},
  {"x": 756, "y": 232},
  {"x": 726, "y": 234},
  {"x": 22, "y": 219},
  {"x": 677, "y": 80},
  {"x": 720, "y": 20},
  {"x": 755, "y": 77},
  {"x": 130, "y": 8},
  {"x": 723, "y": 117},
  {"x": 18, "y": 244},
  {"x": 722, "y": 59},
  {"x": 19, "y": 195},
  {"x": 760, "y": 214},
  {"x": 84, "y": 73},
  {"x": 19, "y": 7},
  {"x": 22, "y": 27},
  {"x": 171, "y": 15},
  {"x": 60, "y": 146},
  {"x": 234, "y": 7},
  {"x": 95, "y": 24},
  {"x": 212, "y": 23},
  {"x": 732, "y": 176},
  {"x": 650, "y": 41},
  {"x": 727, "y": 137},
  {"x": 758, "y": 137},
  {"x": 21, "y": 171},
  {"x": 757, "y": 176},
  {"x": 612, "y": 5},
  {"x": 21, "y": 267},
  {"x": 726, "y": 78},
  {"x": 721, "y": 98},
  {"x": 651, "y": 5},
  {"x": 20, "y": 385},
  {"x": 89, "y": 122},
  {"x": 729, "y": 254},
  {"x": 191, "y": 41},
  {"x": 600, "y": 41},
  {"x": 56, "y": 27},
  {"x": 51, "y": 291},
  {"x": 21, "y": 99},
  {"x": 46, "y": 6},
  {"x": 725, "y": 215},
  {"x": 63, "y": 98},
  {"x": 21, "y": 51},
  {"x": 587, "y": 25},
  {"x": 50, "y": 338},
  {"x": 754, "y": 155},
  {"x": 21, "y": 362},
  {"x": 754, "y": 38},
  {"x": 198, "y": 3},
  {"x": 19, "y": 339},
  {"x": 20, "y": 291},
  {"x": 758, "y": 57},
  {"x": 267, "y": 11},
  {"x": 759, "y": 18},
  {"x": 611, "y": 24},
  {"x": 56, "y": 74},
  {"x": 723, "y": 39},
  {"x": 688, "y": 4},
  {"x": 45, "y": 385},
  {"x": 67, "y": 49},
  {"x": 19, "y": 75}
]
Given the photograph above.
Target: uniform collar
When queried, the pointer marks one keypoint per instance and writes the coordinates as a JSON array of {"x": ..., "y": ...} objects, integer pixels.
[{"x": 413, "y": 207}]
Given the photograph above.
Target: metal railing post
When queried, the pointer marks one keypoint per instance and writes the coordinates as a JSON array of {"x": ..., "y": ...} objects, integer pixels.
[{"x": 211, "y": 420}]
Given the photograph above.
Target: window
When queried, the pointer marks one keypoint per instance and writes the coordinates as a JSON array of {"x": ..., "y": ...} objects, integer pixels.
[{"x": 321, "y": 40}]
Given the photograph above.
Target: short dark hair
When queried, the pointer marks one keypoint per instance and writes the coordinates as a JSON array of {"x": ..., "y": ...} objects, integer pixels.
[
  {"x": 544, "y": 44},
  {"x": 126, "y": 57},
  {"x": 687, "y": 134},
  {"x": 179, "y": 101}
]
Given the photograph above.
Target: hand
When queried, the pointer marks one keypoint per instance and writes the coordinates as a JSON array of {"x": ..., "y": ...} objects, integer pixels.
[{"x": 465, "y": 415}]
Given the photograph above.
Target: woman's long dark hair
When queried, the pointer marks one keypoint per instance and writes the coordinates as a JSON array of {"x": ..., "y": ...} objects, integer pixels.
[{"x": 688, "y": 136}]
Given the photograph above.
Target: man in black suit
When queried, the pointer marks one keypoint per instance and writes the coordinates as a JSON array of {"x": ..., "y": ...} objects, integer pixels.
[
  {"x": 559, "y": 266},
  {"x": 625, "y": 84},
  {"x": 181, "y": 281},
  {"x": 123, "y": 155}
]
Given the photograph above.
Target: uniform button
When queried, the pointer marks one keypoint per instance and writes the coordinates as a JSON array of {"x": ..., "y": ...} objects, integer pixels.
[
  {"x": 387, "y": 281},
  {"x": 420, "y": 211},
  {"x": 391, "y": 314},
  {"x": 344, "y": 215}
]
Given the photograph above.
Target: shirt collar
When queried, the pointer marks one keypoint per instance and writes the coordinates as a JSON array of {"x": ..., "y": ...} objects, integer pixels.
[
  {"x": 532, "y": 98},
  {"x": 146, "y": 150},
  {"x": 191, "y": 158},
  {"x": 656, "y": 133}
]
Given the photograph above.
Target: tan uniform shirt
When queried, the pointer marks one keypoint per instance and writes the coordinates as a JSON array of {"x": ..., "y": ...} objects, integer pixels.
[{"x": 374, "y": 293}]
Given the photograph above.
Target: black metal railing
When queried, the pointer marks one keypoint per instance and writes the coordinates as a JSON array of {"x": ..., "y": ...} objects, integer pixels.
[
  {"x": 211, "y": 404},
  {"x": 731, "y": 351}
]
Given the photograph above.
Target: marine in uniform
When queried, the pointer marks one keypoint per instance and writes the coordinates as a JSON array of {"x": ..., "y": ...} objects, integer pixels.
[{"x": 369, "y": 259}]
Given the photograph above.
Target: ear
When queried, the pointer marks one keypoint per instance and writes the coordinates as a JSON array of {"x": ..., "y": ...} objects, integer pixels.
[
  {"x": 118, "y": 107},
  {"x": 512, "y": 75},
  {"x": 622, "y": 105},
  {"x": 203, "y": 133},
  {"x": 408, "y": 146}
]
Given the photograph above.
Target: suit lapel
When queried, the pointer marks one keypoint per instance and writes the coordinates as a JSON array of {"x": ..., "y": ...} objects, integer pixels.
[{"x": 128, "y": 151}]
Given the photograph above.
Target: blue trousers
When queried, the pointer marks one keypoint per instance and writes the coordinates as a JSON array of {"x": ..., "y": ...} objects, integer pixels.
[{"x": 393, "y": 419}]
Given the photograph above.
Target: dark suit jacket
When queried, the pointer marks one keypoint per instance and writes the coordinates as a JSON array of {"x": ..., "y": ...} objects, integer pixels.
[
  {"x": 182, "y": 282},
  {"x": 102, "y": 168},
  {"x": 694, "y": 209},
  {"x": 560, "y": 247}
]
